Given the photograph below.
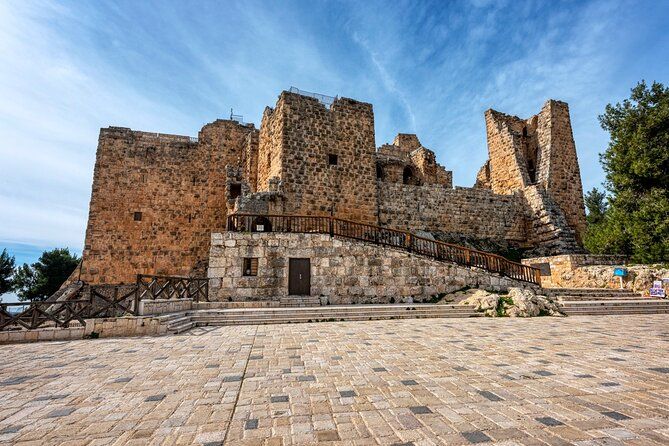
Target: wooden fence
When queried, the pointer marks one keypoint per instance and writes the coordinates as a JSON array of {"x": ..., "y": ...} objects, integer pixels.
[{"x": 100, "y": 301}]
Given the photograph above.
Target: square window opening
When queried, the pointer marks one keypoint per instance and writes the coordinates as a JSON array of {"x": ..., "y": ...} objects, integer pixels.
[
  {"x": 333, "y": 159},
  {"x": 235, "y": 190},
  {"x": 250, "y": 266},
  {"x": 137, "y": 216}
]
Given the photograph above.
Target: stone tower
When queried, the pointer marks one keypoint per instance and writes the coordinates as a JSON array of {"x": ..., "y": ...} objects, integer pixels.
[
  {"x": 322, "y": 154},
  {"x": 538, "y": 157}
]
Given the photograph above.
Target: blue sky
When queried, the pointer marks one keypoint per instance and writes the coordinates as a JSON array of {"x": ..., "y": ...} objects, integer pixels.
[{"x": 433, "y": 68}]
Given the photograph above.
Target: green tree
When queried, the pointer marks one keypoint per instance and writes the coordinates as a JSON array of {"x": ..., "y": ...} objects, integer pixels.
[
  {"x": 636, "y": 163},
  {"x": 7, "y": 267},
  {"x": 595, "y": 203},
  {"x": 43, "y": 278}
]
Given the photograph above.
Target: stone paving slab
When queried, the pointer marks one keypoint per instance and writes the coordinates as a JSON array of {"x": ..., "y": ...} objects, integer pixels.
[{"x": 587, "y": 381}]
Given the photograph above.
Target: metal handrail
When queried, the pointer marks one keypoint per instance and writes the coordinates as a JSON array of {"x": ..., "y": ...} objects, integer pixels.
[
  {"x": 322, "y": 98},
  {"x": 384, "y": 236}
]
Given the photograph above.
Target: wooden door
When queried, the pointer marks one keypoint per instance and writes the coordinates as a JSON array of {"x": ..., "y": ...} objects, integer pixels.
[{"x": 299, "y": 277}]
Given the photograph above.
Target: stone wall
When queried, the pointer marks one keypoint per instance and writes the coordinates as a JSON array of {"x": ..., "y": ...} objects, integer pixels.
[
  {"x": 341, "y": 271},
  {"x": 406, "y": 152},
  {"x": 594, "y": 271},
  {"x": 301, "y": 139},
  {"x": 100, "y": 328},
  {"x": 434, "y": 208},
  {"x": 563, "y": 181},
  {"x": 155, "y": 200},
  {"x": 162, "y": 306},
  {"x": 538, "y": 152}
]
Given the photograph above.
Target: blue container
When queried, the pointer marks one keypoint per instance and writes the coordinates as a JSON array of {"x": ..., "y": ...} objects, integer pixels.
[{"x": 621, "y": 272}]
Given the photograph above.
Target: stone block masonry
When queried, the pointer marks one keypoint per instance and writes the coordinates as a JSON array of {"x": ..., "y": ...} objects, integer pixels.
[
  {"x": 324, "y": 156},
  {"x": 94, "y": 328},
  {"x": 538, "y": 153},
  {"x": 156, "y": 198},
  {"x": 343, "y": 272},
  {"x": 471, "y": 212}
]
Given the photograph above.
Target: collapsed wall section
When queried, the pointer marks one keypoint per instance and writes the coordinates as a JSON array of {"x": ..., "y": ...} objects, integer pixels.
[
  {"x": 537, "y": 156},
  {"x": 472, "y": 212},
  {"x": 563, "y": 176}
]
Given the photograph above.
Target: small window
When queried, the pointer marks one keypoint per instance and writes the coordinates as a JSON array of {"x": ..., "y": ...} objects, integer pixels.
[
  {"x": 524, "y": 131},
  {"x": 137, "y": 216},
  {"x": 235, "y": 190},
  {"x": 380, "y": 174},
  {"x": 250, "y": 266},
  {"x": 333, "y": 159}
]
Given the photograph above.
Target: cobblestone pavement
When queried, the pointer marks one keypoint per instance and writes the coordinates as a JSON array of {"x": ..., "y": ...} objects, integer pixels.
[{"x": 581, "y": 380}]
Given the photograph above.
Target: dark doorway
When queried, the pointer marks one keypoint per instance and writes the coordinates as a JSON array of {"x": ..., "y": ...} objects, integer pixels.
[{"x": 299, "y": 277}]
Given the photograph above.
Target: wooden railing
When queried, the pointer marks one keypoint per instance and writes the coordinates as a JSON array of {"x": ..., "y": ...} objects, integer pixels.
[
  {"x": 103, "y": 301},
  {"x": 100, "y": 301},
  {"x": 172, "y": 287},
  {"x": 337, "y": 227}
]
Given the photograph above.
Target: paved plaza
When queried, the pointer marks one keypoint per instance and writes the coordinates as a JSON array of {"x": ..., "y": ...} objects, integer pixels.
[{"x": 580, "y": 380}]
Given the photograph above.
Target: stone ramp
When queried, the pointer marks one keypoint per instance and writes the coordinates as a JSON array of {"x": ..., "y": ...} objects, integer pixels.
[
  {"x": 180, "y": 322},
  {"x": 602, "y": 301}
]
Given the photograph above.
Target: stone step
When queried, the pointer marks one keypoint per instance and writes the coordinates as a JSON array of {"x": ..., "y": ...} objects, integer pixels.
[
  {"x": 320, "y": 314},
  {"x": 178, "y": 320},
  {"x": 616, "y": 312},
  {"x": 286, "y": 320},
  {"x": 647, "y": 302},
  {"x": 182, "y": 327},
  {"x": 335, "y": 310},
  {"x": 331, "y": 315},
  {"x": 599, "y": 298},
  {"x": 584, "y": 291},
  {"x": 599, "y": 306},
  {"x": 326, "y": 313}
]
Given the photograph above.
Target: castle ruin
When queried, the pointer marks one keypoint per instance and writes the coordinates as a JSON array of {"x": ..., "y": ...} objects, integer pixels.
[{"x": 157, "y": 199}]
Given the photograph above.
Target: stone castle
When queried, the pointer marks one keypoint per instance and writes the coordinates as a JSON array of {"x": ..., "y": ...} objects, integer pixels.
[{"x": 157, "y": 199}]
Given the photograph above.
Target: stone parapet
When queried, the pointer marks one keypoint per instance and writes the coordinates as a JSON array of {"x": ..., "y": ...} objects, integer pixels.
[
  {"x": 94, "y": 328},
  {"x": 162, "y": 306}
]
